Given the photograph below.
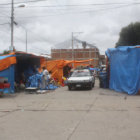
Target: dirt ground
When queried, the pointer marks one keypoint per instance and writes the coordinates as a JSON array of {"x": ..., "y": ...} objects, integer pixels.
[{"x": 97, "y": 114}]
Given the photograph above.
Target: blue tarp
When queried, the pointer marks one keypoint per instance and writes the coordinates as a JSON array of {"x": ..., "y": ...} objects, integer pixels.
[
  {"x": 6, "y": 56},
  {"x": 36, "y": 81},
  {"x": 30, "y": 72},
  {"x": 10, "y": 75},
  {"x": 124, "y": 69},
  {"x": 97, "y": 69}
]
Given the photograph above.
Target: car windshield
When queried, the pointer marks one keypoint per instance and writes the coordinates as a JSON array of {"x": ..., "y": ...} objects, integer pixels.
[{"x": 80, "y": 73}]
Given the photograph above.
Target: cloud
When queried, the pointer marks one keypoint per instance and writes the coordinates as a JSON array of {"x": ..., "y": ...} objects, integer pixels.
[{"x": 47, "y": 26}]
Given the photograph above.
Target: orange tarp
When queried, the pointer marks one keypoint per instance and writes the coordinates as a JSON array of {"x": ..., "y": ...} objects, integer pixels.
[
  {"x": 7, "y": 62},
  {"x": 56, "y": 66}
]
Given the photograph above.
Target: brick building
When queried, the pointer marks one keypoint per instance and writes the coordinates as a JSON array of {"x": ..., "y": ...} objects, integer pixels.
[
  {"x": 77, "y": 54},
  {"x": 102, "y": 60}
]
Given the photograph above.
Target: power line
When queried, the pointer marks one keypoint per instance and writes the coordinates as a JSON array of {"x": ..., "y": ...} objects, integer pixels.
[
  {"x": 23, "y": 2},
  {"x": 80, "y": 5},
  {"x": 76, "y": 5},
  {"x": 39, "y": 50},
  {"x": 34, "y": 49},
  {"x": 4, "y": 15},
  {"x": 39, "y": 39},
  {"x": 73, "y": 11},
  {"x": 105, "y": 9},
  {"x": 64, "y": 9},
  {"x": 4, "y": 23},
  {"x": 21, "y": 40},
  {"x": 44, "y": 39}
]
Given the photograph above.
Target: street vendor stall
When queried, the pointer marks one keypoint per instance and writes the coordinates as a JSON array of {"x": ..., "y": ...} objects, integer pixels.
[
  {"x": 58, "y": 67},
  {"x": 7, "y": 73},
  {"x": 15, "y": 70},
  {"x": 124, "y": 69},
  {"x": 27, "y": 65}
]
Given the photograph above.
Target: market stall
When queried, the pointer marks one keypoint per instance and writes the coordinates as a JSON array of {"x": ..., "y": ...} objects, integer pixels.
[
  {"x": 7, "y": 73},
  {"x": 124, "y": 69},
  {"x": 58, "y": 67}
]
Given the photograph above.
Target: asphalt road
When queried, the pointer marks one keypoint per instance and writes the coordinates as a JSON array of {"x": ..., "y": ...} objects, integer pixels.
[{"x": 96, "y": 114}]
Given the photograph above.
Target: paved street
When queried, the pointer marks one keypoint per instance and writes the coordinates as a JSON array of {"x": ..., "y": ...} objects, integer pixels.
[{"x": 98, "y": 114}]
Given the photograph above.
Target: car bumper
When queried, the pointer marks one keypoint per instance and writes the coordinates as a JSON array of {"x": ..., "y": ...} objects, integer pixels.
[{"x": 80, "y": 84}]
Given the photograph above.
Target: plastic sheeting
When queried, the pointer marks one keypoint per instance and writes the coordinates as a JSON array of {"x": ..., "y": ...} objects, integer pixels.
[
  {"x": 36, "y": 81},
  {"x": 7, "y": 71},
  {"x": 29, "y": 72},
  {"x": 124, "y": 69},
  {"x": 96, "y": 69},
  {"x": 6, "y": 61},
  {"x": 56, "y": 66},
  {"x": 10, "y": 75}
]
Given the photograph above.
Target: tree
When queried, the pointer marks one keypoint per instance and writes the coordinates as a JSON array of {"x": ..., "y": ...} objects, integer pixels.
[
  {"x": 129, "y": 35},
  {"x": 6, "y": 52}
]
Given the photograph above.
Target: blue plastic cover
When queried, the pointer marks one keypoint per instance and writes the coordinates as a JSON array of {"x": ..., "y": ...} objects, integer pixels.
[
  {"x": 97, "y": 69},
  {"x": 10, "y": 75},
  {"x": 36, "y": 81},
  {"x": 124, "y": 69},
  {"x": 6, "y": 56}
]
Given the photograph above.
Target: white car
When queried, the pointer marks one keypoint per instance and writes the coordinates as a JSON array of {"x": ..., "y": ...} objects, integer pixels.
[{"x": 81, "y": 78}]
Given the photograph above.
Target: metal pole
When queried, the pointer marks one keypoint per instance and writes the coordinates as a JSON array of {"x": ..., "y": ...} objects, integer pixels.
[
  {"x": 72, "y": 47},
  {"x": 72, "y": 51},
  {"x": 90, "y": 55},
  {"x": 26, "y": 41},
  {"x": 60, "y": 54},
  {"x": 95, "y": 56},
  {"x": 12, "y": 26}
]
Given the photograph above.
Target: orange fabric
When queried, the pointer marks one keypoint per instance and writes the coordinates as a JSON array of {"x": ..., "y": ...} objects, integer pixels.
[
  {"x": 83, "y": 61},
  {"x": 7, "y": 62},
  {"x": 56, "y": 66},
  {"x": 42, "y": 60},
  {"x": 79, "y": 64}
]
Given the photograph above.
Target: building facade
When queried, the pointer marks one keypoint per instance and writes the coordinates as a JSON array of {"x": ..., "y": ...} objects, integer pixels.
[
  {"x": 102, "y": 60},
  {"x": 77, "y": 54}
]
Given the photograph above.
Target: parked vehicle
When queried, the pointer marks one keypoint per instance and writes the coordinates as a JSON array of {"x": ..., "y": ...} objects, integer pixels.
[{"x": 81, "y": 78}]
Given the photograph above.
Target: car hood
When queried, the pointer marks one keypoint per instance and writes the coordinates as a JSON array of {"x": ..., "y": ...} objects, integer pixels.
[{"x": 80, "y": 78}]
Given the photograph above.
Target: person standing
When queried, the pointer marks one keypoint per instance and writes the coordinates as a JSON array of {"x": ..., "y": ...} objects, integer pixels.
[{"x": 45, "y": 78}]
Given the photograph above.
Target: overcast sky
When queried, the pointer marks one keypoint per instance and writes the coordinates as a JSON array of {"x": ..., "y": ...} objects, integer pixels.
[{"x": 51, "y": 22}]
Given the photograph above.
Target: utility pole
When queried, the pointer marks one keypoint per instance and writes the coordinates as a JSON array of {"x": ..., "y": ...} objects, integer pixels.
[
  {"x": 73, "y": 44},
  {"x": 90, "y": 53},
  {"x": 12, "y": 26},
  {"x": 72, "y": 48},
  {"x": 12, "y": 48}
]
